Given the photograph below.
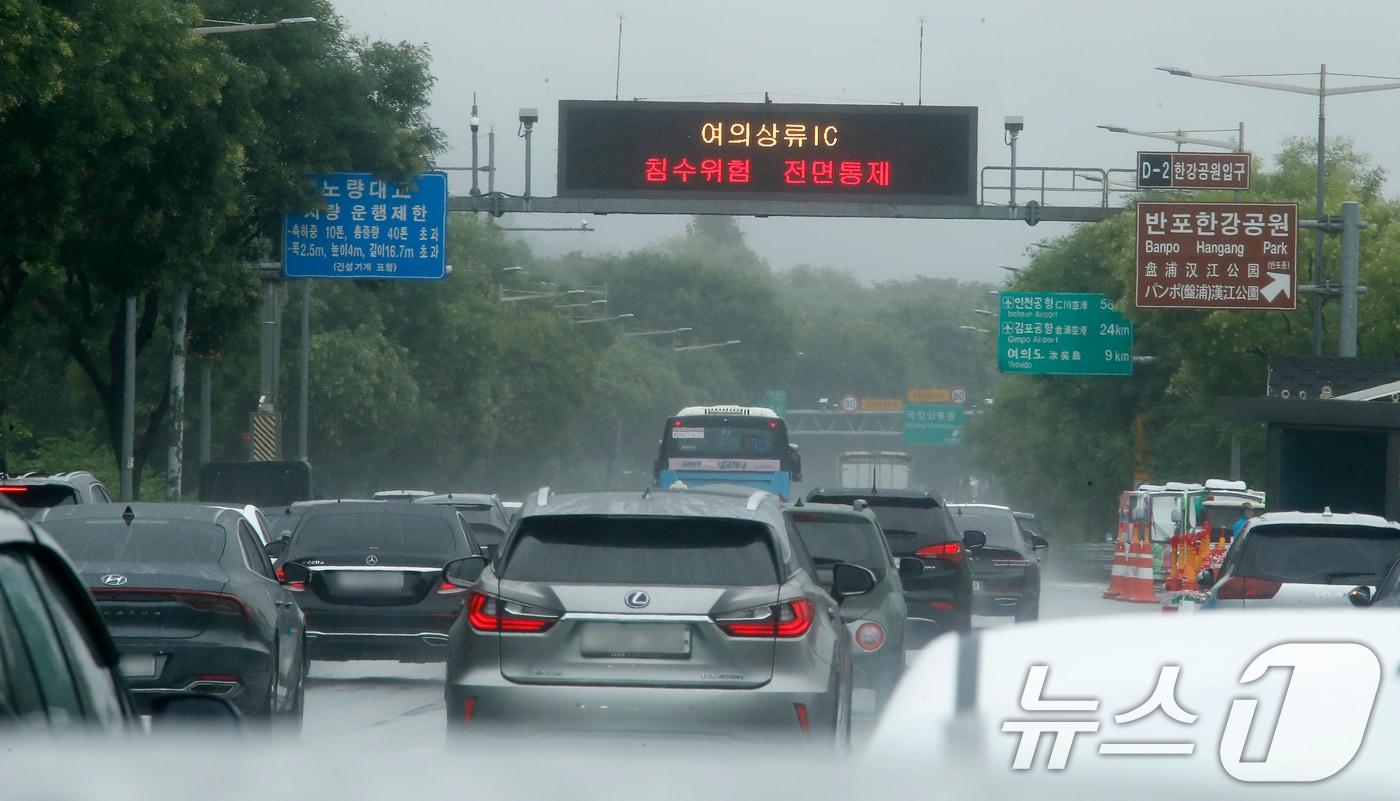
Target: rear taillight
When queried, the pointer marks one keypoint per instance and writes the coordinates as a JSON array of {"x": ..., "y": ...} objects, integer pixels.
[
  {"x": 204, "y": 601},
  {"x": 291, "y": 586},
  {"x": 786, "y": 620},
  {"x": 218, "y": 604},
  {"x": 802, "y": 722},
  {"x": 13, "y": 490},
  {"x": 942, "y": 604},
  {"x": 869, "y": 636},
  {"x": 947, "y": 551},
  {"x": 1243, "y": 588},
  {"x": 448, "y": 588},
  {"x": 468, "y": 710},
  {"x": 489, "y": 613}
]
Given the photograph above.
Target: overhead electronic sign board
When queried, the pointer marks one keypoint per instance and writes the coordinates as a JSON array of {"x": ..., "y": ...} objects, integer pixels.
[{"x": 768, "y": 151}]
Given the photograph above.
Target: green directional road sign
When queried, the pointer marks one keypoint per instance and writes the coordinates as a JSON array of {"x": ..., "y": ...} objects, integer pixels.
[
  {"x": 775, "y": 399},
  {"x": 932, "y": 424},
  {"x": 1065, "y": 333}
]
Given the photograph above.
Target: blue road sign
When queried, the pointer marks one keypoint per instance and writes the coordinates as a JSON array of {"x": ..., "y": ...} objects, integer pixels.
[{"x": 370, "y": 228}]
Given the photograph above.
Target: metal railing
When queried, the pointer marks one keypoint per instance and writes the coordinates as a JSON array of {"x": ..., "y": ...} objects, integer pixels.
[{"x": 1042, "y": 183}]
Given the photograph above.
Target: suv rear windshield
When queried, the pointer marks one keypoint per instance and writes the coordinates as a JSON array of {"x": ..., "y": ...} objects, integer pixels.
[
  {"x": 687, "y": 551},
  {"x": 1000, "y": 527},
  {"x": 33, "y": 497},
  {"x": 145, "y": 541},
  {"x": 1303, "y": 554},
  {"x": 325, "y": 534},
  {"x": 841, "y": 538},
  {"x": 912, "y": 522}
]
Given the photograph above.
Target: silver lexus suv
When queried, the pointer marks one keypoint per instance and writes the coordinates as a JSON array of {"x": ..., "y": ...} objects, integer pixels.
[{"x": 652, "y": 614}]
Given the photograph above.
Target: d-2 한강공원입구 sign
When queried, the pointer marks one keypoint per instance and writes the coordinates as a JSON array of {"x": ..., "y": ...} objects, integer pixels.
[{"x": 1066, "y": 333}]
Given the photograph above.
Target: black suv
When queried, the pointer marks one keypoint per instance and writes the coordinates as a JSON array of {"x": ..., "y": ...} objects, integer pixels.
[
  {"x": 33, "y": 492},
  {"x": 917, "y": 523}
]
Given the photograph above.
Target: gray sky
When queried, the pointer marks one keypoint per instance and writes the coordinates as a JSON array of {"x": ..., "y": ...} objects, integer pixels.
[{"x": 1065, "y": 65}]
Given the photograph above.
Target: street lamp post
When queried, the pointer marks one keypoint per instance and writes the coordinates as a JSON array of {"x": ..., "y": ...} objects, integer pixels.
[
  {"x": 582, "y": 227},
  {"x": 657, "y": 333},
  {"x": 707, "y": 346},
  {"x": 225, "y": 26},
  {"x": 1321, "y": 92},
  {"x": 613, "y": 318},
  {"x": 1180, "y": 138}
]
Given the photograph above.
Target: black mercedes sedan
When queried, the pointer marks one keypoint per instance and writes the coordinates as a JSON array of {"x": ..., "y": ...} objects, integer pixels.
[
  {"x": 192, "y": 602},
  {"x": 368, "y": 575}
]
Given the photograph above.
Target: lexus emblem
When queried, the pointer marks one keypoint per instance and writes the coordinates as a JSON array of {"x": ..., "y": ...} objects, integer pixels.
[
  {"x": 371, "y": 560},
  {"x": 113, "y": 580},
  {"x": 638, "y": 599}
]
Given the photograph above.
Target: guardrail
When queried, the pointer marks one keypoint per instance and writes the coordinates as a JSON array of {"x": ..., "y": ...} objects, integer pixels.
[
  {"x": 1041, "y": 183},
  {"x": 1086, "y": 561}
]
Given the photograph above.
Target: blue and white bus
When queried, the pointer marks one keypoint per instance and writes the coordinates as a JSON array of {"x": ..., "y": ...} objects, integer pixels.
[{"x": 728, "y": 445}]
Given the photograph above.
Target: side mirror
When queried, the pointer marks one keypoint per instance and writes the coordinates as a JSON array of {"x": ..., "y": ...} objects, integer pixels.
[
  {"x": 972, "y": 538},
  {"x": 910, "y": 567},
  {"x": 464, "y": 572},
  {"x": 293, "y": 573},
  {"x": 1039, "y": 543},
  {"x": 179, "y": 712},
  {"x": 1360, "y": 597},
  {"x": 275, "y": 549},
  {"x": 1205, "y": 579},
  {"x": 849, "y": 581}
]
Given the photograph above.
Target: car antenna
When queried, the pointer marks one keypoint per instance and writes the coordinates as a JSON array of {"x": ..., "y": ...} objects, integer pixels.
[
  {"x": 128, "y": 515},
  {"x": 646, "y": 494},
  {"x": 874, "y": 481}
]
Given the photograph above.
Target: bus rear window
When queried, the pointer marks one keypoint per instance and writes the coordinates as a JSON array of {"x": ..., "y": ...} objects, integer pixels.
[{"x": 725, "y": 437}]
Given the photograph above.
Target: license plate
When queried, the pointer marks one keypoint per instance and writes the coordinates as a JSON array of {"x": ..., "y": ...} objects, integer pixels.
[
  {"x": 138, "y": 666},
  {"x": 976, "y": 586},
  {"x": 636, "y": 640},
  {"x": 369, "y": 581}
]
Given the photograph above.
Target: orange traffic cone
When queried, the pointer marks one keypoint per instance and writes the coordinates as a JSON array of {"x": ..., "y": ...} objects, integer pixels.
[
  {"x": 1137, "y": 584},
  {"x": 1120, "y": 569},
  {"x": 1217, "y": 553},
  {"x": 1175, "y": 565},
  {"x": 1191, "y": 566}
]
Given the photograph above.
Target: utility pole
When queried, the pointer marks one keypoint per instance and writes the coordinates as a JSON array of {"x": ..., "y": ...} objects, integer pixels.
[
  {"x": 1351, "y": 276},
  {"x": 128, "y": 454},
  {"x": 175, "y": 453},
  {"x": 304, "y": 399},
  {"x": 206, "y": 404},
  {"x": 266, "y": 422},
  {"x": 475, "y": 125},
  {"x": 1319, "y": 234}
]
